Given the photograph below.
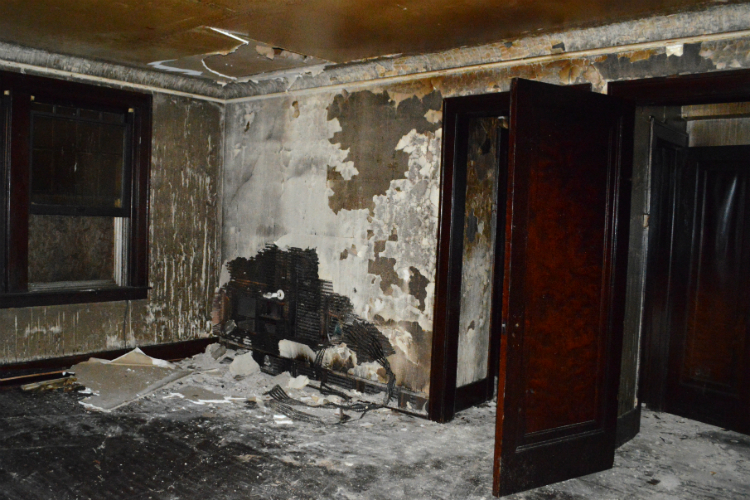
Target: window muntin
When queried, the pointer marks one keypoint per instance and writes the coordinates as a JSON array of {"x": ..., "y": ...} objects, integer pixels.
[
  {"x": 78, "y": 161},
  {"x": 102, "y": 136}
]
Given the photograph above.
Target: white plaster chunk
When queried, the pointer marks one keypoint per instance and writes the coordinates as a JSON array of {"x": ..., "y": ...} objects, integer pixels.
[
  {"x": 298, "y": 382},
  {"x": 368, "y": 371},
  {"x": 244, "y": 365},
  {"x": 294, "y": 350},
  {"x": 339, "y": 355}
]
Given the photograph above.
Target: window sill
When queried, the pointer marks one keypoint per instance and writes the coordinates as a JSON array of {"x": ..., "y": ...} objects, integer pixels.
[{"x": 58, "y": 297}]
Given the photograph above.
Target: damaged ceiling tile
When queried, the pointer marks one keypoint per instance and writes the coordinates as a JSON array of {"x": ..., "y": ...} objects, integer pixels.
[{"x": 255, "y": 58}]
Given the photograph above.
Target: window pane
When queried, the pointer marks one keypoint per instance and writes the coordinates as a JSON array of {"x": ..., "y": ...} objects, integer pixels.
[
  {"x": 71, "y": 248},
  {"x": 77, "y": 160}
]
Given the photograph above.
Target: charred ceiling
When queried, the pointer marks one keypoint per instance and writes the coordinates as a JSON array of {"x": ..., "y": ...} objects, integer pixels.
[{"x": 227, "y": 40}]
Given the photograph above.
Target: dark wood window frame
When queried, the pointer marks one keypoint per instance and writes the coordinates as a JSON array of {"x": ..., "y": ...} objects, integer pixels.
[{"x": 18, "y": 91}]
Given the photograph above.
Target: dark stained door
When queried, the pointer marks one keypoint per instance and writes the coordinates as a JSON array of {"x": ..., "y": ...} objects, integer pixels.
[
  {"x": 564, "y": 285},
  {"x": 708, "y": 375}
]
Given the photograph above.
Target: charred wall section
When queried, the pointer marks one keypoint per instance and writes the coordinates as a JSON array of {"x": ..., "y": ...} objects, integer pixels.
[
  {"x": 184, "y": 225},
  {"x": 276, "y": 304},
  {"x": 354, "y": 177}
]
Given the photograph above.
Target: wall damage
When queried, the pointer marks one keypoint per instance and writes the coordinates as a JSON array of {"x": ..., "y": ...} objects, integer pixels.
[
  {"x": 343, "y": 161},
  {"x": 292, "y": 181},
  {"x": 276, "y": 304},
  {"x": 319, "y": 169},
  {"x": 184, "y": 226}
]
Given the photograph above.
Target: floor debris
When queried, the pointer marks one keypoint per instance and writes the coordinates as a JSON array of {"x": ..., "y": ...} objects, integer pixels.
[
  {"x": 125, "y": 379},
  {"x": 212, "y": 435},
  {"x": 216, "y": 350},
  {"x": 256, "y": 438},
  {"x": 244, "y": 365},
  {"x": 66, "y": 383}
]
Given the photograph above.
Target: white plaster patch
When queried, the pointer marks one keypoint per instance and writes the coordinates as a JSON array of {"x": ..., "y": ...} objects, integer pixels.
[
  {"x": 434, "y": 116},
  {"x": 675, "y": 50},
  {"x": 347, "y": 170}
]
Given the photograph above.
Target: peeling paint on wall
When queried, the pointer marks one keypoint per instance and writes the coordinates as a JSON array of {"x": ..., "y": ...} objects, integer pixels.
[
  {"x": 377, "y": 249},
  {"x": 291, "y": 158},
  {"x": 184, "y": 225},
  {"x": 185, "y": 172},
  {"x": 320, "y": 170},
  {"x": 371, "y": 127}
]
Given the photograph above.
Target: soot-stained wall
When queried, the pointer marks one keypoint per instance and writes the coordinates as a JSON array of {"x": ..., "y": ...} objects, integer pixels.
[
  {"x": 353, "y": 172},
  {"x": 355, "y": 177},
  {"x": 186, "y": 167},
  {"x": 480, "y": 216}
]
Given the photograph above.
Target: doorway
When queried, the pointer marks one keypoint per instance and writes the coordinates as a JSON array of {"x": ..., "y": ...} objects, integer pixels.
[
  {"x": 564, "y": 274},
  {"x": 558, "y": 277},
  {"x": 697, "y": 294},
  {"x": 690, "y": 270},
  {"x": 466, "y": 330}
]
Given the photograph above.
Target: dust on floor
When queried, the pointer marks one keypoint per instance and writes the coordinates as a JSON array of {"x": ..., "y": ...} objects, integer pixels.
[{"x": 200, "y": 438}]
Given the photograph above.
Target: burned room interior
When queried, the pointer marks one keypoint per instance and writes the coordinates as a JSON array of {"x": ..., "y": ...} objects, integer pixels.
[{"x": 375, "y": 250}]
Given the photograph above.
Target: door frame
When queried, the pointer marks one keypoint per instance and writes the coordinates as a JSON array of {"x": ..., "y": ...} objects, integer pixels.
[
  {"x": 443, "y": 400},
  {"x": 679, "y": 90},
  {"x": 443, "y": 403}
]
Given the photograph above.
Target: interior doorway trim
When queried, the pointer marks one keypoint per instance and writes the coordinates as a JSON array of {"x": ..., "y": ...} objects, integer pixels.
[
  {"x": 443, "y": 402},
  {"x": 679, "y": 90},
  {"x": 703, "y": 88}
]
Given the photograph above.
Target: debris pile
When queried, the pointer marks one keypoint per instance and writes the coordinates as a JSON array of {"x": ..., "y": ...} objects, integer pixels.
[{"x": 221, "y": 376}]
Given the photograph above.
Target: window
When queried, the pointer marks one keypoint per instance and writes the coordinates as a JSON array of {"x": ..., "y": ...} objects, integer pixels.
[{"x": 75, "y": 168}]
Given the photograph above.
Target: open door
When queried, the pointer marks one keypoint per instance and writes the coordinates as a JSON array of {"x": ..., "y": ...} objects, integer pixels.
[
  {"x": 564, "y": 284},
  {"x": 706, "y": 313}
]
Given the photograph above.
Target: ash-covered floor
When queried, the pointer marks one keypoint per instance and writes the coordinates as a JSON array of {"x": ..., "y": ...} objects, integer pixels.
[{"x": 168, "y": 446}]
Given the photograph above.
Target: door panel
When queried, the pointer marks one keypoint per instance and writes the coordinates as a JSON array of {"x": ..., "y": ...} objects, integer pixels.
[
  {"x": 709, "y": 357},
  {"x": 565, "y": 259}
]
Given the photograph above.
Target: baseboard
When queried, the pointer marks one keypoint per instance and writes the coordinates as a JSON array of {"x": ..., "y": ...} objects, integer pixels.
[
  {"x": 473, "y": 394},
  {"x": 41, "y": 369},
  {"x": 628, "y": 426}
]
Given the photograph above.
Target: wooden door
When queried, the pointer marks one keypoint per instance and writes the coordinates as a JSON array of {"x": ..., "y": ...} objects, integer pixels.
[
  {"x": 708, "y": 375},
  {"x": 564, "y": 285}
]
